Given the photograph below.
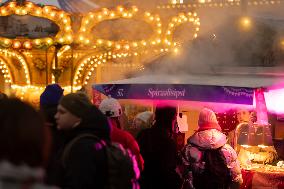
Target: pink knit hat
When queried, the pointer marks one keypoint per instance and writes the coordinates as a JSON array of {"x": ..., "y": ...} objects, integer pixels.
[{"x": 207, "y": 120}]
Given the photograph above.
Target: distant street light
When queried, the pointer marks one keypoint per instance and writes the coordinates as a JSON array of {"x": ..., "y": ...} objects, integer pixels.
[{"x": 245, "y": 23}]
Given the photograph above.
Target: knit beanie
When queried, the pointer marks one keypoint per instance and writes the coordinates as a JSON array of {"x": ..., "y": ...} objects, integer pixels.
[
  {"x": 76, "y": 103},
  {"x": 207, "y": 120},
  {"x": 145, "y": 116},
  {"x": 167, "y": 113},
  {"x": 51, "y": 95}
]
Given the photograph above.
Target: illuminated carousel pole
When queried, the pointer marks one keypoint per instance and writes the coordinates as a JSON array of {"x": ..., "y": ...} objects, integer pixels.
[{"x": 56, "y": 71}]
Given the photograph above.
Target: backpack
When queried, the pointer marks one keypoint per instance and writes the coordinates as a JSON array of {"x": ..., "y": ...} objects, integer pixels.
[
  {"x": 123, "y": 171},
  {"x": 215, "y": 171}
]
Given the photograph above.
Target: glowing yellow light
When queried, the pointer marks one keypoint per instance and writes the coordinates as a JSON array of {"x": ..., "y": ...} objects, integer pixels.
[
  {"x": 282, "y": 43},
  {"x": 6, "y": 41},
  {"x": 46, "y": 9},
  {"x": 245, "y": 22},
  {"x": 27, "y": 45},
  {"x": 52, "y": 14},
  {"x": 117, "y": 46},
  {"x": 11, "y": 5},
  {"x": 24, "y": 11},
  {"x": 105, "y": 12},
  {"x": 126, "y": 47},
  {"x": 29, "y": 5},
  {"x": 109, "y": 43},
  {"x": 49, "y": 41},
  {"x": 120, "y": 8},
  {"x": 3, "y": 11},
  {"x": 262, "y": 146},
  {"x": 18, "y": 11},
  {"x": 176, "y": 50},
  {"x": 38, "y": 12},
  {"x": 37, "y": 41},
  {"x": 69, "y": 37},
  {"x": 17, "y": 44}
]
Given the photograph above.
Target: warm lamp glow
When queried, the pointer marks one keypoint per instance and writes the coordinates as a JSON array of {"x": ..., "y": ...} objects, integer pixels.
[{"x": 245, "y": 23}]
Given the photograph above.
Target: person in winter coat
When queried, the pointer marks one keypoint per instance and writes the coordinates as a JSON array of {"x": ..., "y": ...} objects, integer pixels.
[
  {"x": 142, "y": 120},
  {"x": 82, "y": 161},
  {"x": 209, "y": 137},
  {"x": 24, "y": 146},
  {"x": 112, "y": 109},
  {"x": 159, "y": 151},
  {"x": 49, "y": 100}
]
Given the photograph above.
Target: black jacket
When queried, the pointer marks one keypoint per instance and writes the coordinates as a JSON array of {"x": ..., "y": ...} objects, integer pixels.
[
  {"x": 160, "y": 159},
  {"x": 85, "y": 165}
]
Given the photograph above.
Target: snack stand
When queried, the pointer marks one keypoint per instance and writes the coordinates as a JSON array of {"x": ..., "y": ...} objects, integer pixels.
[{"x": 221, "y": 90}]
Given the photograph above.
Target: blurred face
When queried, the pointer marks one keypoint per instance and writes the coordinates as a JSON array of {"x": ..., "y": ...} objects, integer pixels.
[
  {"x": 243, "y": 116},
  {"x": 138, "y": 123},
  {"x": 66, "y": 120}
]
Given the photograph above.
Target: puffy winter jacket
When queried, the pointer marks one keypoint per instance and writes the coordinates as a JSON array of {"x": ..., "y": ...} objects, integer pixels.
[{"x": 206, "y": 140}]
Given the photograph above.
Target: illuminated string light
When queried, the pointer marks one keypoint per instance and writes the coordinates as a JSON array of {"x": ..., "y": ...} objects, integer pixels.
[
  {"x": 178, "y": 20},
  {"x": 21, "y": 60},
  {"x": 48, "y": 12},
  {"x": 104, "y": 14},
  {"x": 4, "y": 68},
  {"x": 222, "y": 4}
]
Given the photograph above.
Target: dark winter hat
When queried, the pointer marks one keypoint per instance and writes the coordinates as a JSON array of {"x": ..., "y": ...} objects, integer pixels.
[
  {"x": 165, "y": 112},
  {"x": 77, "y": 103},
  {"x": 51, "y": 95}
]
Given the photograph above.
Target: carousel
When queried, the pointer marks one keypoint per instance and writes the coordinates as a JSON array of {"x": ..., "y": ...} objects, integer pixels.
[{"x": 42, "y": 44}]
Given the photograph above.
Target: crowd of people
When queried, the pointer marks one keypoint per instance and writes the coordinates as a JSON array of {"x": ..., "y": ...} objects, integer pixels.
[{"x": 63, "y": 145}]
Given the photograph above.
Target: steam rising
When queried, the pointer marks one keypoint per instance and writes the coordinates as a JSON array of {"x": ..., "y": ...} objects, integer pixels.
[{"x": 225, "y": 44}]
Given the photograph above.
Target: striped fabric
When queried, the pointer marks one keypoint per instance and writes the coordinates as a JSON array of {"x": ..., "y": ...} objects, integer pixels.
[{"x": 77, "y": 6}]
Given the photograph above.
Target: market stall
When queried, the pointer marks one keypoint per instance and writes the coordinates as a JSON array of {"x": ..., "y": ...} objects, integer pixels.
[{"x": 217, "y": 91}]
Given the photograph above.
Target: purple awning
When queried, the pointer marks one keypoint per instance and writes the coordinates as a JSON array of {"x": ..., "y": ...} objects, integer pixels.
[{"x": 184, "y": 92}]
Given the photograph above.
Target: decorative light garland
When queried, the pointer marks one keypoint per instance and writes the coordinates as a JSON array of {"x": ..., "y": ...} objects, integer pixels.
[
  {"x": 5, "y": 71},
  {"x": 94, "y": 61},
  {"x": 90, "y": 63},
  {"x": 22, "y": 61},
  {"x": 117, "y": 49},
  {"x": 93, "y": 18},
  {"x": 59, "y": 17},
  {"x": 178, "y": 20},
  {"x": 220, "y": 4},
  {"x": 32, "y": 88}
]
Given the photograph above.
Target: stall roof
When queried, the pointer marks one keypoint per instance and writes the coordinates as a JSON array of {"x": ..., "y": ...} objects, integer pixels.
[{"x": 237, "y": 80}]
